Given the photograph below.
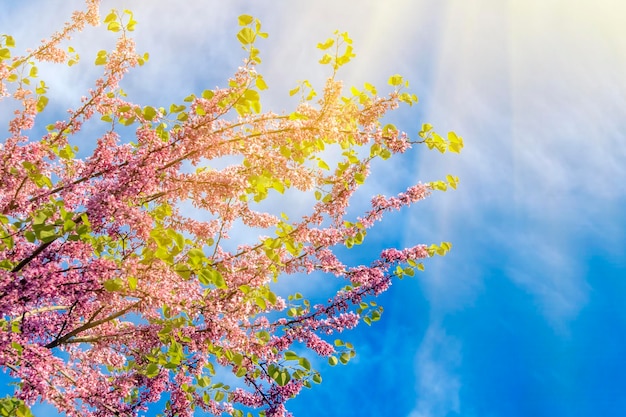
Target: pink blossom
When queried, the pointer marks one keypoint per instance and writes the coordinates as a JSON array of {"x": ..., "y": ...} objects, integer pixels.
[{"x": 120, "y": 279}]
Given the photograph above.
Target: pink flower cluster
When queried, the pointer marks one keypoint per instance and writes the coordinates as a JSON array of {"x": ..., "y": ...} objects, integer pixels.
[
  {"x": 411, "y": 195},
  {"x": 119, "y": 279},
  {"x": 400, "y": 256}
]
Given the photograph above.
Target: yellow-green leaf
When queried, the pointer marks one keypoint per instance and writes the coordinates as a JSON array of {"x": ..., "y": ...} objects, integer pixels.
[
  {"x": 323, "y": 46},
  {"x": 245, "y": 19},
  {"x": 131, "y": 25},
  {"x": 42, "y": 103},
  {"x": 110, "y": 17},
  {"x": 246, "y": 36},
  {"x": 149, "y": 113},
  {"x": 395, "y": 80},
  {"x": 455, "y": 142},
  {"x": 326, "y": 59},
  {"x": 101, "y": 58},
  {"x": 132, "y": 283},
  {"x": 114, "y": 26},
  {"x": 260, "y": 83},
  {"x": 323, "y": 165},
  {"x": 9, "y": 41},
  {"x": 113, "y": 285}
]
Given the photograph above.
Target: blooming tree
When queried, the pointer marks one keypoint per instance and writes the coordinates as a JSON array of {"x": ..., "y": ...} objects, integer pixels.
[{"x": 112, "y": 295}]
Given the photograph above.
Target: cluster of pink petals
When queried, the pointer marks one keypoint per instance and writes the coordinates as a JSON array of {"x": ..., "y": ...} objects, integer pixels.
[
  {"x": 401, "y": 256},
  {"x": 114, "y": 297}
]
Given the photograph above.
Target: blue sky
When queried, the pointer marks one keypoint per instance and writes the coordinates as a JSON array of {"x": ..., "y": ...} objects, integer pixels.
[{"x": 525, "y": 317}]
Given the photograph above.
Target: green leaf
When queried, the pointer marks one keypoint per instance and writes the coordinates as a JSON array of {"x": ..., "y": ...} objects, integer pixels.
[
  {"x": 68, "y": 225},
  {"x": 129, "y": 121},
  {"x": 152, "y": 370},
  {"x": 332, "y": 360},
  {"x": 260, "y": 301},
  {"x": 177, "y": 108},
  {"x": 263, "y": 336},
  {"x": 7, "y": 405},
  {"x": 149, "y": 113},
  {"x": 218, "y": 279},
  {"x": 271, "y": 297},
  {"x": 304, "y": 362},
  {"x": 375, "y": 315},
  {"x": 67, "y": 152},
  {"x": 282, "y": 377},
  {"x": 205, "y": 277},
  {"x": 203, "y": 381},
  {"x": 113, "y": 285},
  {"x": 183, "y": 271},
  {"x": 40, "y": 217},
  {"x": 45, "y": 233},
  {"x": 219, "y": 396}
]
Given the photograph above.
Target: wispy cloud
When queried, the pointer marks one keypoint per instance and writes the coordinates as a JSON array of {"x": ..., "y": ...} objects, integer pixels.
[
  {"x": 542, "y": 114},
  {"x": 437, "y": 385}
]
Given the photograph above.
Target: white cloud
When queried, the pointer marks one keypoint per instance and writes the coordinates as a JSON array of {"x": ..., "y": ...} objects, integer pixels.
[
  {"x": 437, "y": 385},
  {"x": 537, "y": 91},
  {"x": 557, "y": 281}
]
